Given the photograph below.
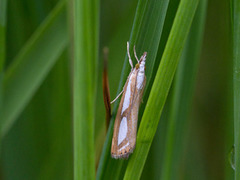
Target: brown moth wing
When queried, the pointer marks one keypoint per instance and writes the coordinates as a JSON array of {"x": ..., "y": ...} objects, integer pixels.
[
  {"x": 127, "y": 145},
  {"x": 133, "y": 119},
  {"x": 116, "y": 151}
]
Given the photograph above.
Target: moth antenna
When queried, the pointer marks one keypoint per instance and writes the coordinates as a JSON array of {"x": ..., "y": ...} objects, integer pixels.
[
  {"x": 129, "y": 57},
  {"x": 116, "y": 97},
  {"x": 135, "y": 54}
]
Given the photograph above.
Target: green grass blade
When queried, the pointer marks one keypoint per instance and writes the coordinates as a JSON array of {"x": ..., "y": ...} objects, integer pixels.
[
  {"x": 32, "y": 64},
  {"x": 146, "y": 33},
  {"x": 236, "y": 83},
  {"x": 155, "y": 155},
  {"x": 43, "y": 147},
  {"x": 161, "y": 87},
  {"x": 183, "y": 92},
  {"x": 85, "y": 49},
  {"x": 3, "y": 6},
  {"x": 55, "y": 91}
]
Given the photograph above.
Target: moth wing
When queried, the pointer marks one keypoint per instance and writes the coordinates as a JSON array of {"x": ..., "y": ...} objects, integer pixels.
[
  {"x": 133, "y": 117},
  {"x": 125, "y": 127},
  {"x": 120, "y": 140}
]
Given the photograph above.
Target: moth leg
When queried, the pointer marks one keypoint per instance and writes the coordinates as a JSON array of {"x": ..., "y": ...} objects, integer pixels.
[
  {"x": 135, "y": 54},
  {"x": 129, "y": 57},
  {"x": 116, "y": 97}
]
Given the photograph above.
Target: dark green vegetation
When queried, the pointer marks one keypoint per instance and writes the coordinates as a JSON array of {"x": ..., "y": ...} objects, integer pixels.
[{"x": 52, "y": 117}]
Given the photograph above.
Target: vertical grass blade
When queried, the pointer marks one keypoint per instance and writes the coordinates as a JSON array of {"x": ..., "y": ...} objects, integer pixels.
[
  {"x": 183, "y": 91},
  {"x": 3, "y": 10},
  {"x": 236, "y": 82},
  {"x": 32, "y": 64},
  {"x": 146, "y": 34},
  {"x": 161, "y": 85},
  {"x": 85, "y": 49},
  {"x": 3, "y": 6}
]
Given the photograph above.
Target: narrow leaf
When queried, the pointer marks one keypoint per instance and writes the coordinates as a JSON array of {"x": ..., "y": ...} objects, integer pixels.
[
  {"x": 85, "y": 51},
  {"x": 3, "y": 17},
  {"x": 3, "y": 7},
  {"x": 236, "y": 82},
  {"x": 32, "y": 64},
  {"x": 183, "y": 92},
  {"x": 161, "y": 87}
]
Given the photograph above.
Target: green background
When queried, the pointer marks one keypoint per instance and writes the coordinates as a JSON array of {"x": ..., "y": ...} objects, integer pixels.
[{"x": 39, "y": 144}]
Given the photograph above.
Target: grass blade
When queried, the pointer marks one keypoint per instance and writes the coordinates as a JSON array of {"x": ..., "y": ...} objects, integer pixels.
[
  {"x": 236, "y": 82},
  {"x": 161, "y": 87},
  {"x": 146, "y": 33},
  {"x": 183, "y": 92},
  {"x": 3, "y": 7},
  {"x": 85, "y": 49},
  {"x": 32, "y": 64},
  {"x": 155, "y": 154},
  {"x": 43, "y": 147}
]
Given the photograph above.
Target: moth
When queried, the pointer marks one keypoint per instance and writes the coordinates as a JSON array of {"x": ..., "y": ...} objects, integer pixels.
[{"x": 125, "y": 127}]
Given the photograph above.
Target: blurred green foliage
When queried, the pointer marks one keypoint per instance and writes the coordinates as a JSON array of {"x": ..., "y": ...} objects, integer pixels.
[{"x": 39, "y": 145}]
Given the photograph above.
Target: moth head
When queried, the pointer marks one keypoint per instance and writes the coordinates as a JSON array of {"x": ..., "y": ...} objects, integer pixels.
[
  {"x": 142, "y": 62},
  {"x": 137, "y": 66}
]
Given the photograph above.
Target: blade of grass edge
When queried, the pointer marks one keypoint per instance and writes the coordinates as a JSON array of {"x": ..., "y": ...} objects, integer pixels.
[
  {"x": 145, "y": 39},
  {"x": 32, "y": 64},
  {"x": 236, "y": 82},
  {"x": 3, "y": 10},
  {"x": 161, "y": 85},
  {"x": 85, "y": 53},
  {"x": 183, "y": 92}
]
